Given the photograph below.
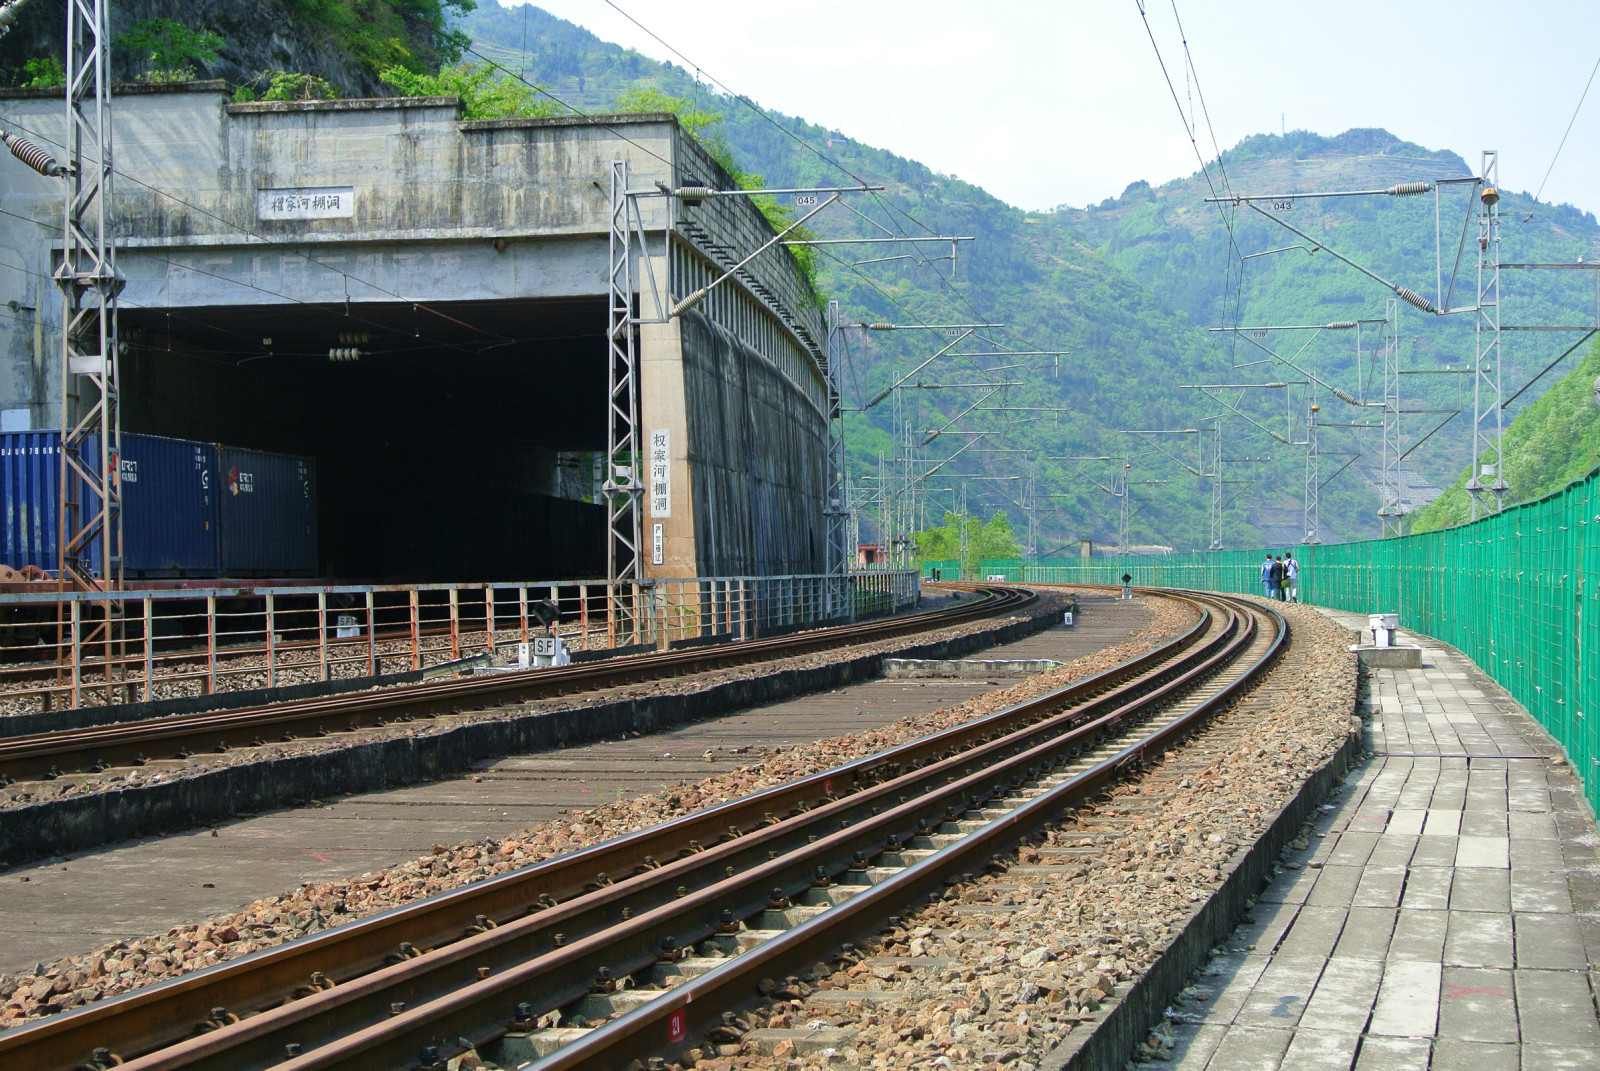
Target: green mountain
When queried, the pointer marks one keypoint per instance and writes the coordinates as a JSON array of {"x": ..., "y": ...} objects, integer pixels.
[
  {"x": 1128, "y": 286},
  {"x": 1551, "y": 443}
]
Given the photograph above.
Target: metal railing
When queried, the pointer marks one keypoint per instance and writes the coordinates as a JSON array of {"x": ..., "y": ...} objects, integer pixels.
[
  {"x": 56, "y": 650},
  {"x": 1517, "y": 592}
]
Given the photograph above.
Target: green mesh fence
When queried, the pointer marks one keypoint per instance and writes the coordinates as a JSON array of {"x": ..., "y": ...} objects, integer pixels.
[
  {"x": 948, "y": 569},
  {"x": 1516, "y": 592}
]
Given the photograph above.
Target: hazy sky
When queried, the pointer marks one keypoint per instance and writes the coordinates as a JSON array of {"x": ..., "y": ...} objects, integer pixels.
[{"x": 1046, "y": 103}]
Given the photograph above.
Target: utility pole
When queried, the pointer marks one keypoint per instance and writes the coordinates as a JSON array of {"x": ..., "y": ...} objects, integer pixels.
[
  {"x": 1487, "y": 460},
  {"x": 1030, "y": 507},
  {"x": 1124, "y": 512},
  {"x": 89, "y": 511}
]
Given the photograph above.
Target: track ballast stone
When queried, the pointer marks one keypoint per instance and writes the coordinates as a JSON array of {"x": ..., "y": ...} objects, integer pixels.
[
  {"x": 126, "y": 965},
  {"x": 1007, "y": 968}
]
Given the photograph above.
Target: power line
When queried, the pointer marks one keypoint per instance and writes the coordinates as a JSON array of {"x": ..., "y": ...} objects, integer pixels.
[
  {"x": 877, "y": 198},
  {"x": 1571, "y": 121},
  {"x": 824, "y": 157}
]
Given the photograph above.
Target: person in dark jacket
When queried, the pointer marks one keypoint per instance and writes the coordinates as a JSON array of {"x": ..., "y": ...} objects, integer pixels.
[{"x": 1275, "y": 580}]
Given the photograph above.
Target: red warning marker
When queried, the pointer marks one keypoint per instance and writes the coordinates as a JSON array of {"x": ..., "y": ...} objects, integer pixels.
[{"x": 675, "y": 1026}]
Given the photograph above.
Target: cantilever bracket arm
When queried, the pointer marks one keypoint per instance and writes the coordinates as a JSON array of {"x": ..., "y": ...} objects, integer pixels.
[
  {"x": 1406, "y": 294},
  {"x": 699, "y": 295}
]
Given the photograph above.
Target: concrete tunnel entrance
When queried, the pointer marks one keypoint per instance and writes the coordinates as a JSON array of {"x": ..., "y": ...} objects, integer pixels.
[{"x": 460, "y": 446}]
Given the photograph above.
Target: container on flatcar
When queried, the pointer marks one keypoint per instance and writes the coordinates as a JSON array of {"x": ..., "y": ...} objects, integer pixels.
[
  {"x": 268, "y": 512},
  {"x": 29, "y": 487},
  {"x": 189, "y": 509},
  {"x": 169, "y": 509}
]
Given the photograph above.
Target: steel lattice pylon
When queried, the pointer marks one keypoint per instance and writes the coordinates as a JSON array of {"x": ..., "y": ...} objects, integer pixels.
[
  {"x": 621, "y": 486},
  {"x": 1486, "y": 447},
  {"x": 1313, "y": 493},
  {"x": 90, "y": 493},
  {"x": 836, "y": 508},
  {"x": 1216, "y": 487},
  {"x": 1391, "y": 506}
]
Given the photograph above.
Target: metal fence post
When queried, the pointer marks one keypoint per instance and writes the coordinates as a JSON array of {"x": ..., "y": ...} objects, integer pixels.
[
  {"x": 488, "y": 618},
  {"x": 77, "y": 653},
  {"x": 455, "y": 624},
  {"x": 211, "y": 644},
  {"x": 322, "y": 632},
  {"x": 416, "y": 630},
  {"x": 583, "y": 613},
  {"x": 372, "y": 638},
  {"x": 149, "y": 647},
  {"x": 272, "y": 648}
]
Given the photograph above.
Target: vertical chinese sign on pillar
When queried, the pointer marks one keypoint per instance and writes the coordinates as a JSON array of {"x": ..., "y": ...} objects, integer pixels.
[{"x": 660, "y": 488}]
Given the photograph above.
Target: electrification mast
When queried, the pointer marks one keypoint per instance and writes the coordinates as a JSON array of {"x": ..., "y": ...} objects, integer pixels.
[
  {"x": 1391, "y": 510},
  {"x": 90, "y": 497},
  {"x": 1486, "y": 449}
]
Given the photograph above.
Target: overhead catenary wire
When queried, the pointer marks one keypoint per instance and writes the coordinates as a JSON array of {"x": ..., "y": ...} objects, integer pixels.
[{"x": 1581, "y": 98}]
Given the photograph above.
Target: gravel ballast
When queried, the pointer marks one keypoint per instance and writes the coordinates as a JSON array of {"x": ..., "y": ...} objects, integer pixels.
[
  {"x": 1008, "y": 968},
  {"x": 125, "y": 965}
]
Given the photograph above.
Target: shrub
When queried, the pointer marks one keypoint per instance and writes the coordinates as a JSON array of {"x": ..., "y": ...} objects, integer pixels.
[{"x": 169, "y": 50}]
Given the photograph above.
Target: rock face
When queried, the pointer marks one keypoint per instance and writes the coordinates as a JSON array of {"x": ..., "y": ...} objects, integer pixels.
[{"x": 260, "y": 34}]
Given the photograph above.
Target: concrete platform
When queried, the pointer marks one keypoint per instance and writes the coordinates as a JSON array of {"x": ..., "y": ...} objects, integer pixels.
[
  {"x": 63, "y": 907},
  {"x": 1445, "y": 914}
]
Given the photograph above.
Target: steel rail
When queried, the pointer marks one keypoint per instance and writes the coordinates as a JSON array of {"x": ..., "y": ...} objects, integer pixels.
[
  {"x": 452, "y": 982},
  {"x": 694, "y": 1008},
  {"x": 479, "y": 1008},
  {"x": 158, "y": 1015},
  {"x": 47, "y": 755}
]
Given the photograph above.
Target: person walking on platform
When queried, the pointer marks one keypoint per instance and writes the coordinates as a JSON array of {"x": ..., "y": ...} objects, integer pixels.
[
  {"x": 1266, "y": 574},
  {"x": 1275, "y": 578},
  {"x": 1291, "y": 577}
]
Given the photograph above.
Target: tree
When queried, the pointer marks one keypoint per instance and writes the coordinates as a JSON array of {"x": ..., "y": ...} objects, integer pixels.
[
  {"x": 42, "y": 72},
  {"x": 985, "y": 539},
  {"x": 485, "y": 92},
  {"x": 413, "y": 34},
  {"x": 700, "y": 123},
  {"x": 169, "y": 50}
]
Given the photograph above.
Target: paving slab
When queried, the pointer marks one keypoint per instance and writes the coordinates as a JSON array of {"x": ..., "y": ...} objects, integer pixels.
[{"x": 1454, "y": 921}]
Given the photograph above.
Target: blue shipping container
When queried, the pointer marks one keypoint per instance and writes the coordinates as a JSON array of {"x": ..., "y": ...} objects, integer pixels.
[
  {"x": 268, "y": 513},
  {"x": 29, "y": 479},
  {"x": 169, "y": 509},
  {"x": 178, "y": 500}
]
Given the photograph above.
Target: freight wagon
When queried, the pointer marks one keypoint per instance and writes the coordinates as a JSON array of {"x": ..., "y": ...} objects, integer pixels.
[{"x": 189, "y": 509}]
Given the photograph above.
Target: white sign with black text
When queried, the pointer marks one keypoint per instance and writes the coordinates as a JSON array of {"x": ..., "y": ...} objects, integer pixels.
[
  {"x": 661, "y": 472},
  {"x": 657, "y": 542},
  {"x": 310, "y": 202}
]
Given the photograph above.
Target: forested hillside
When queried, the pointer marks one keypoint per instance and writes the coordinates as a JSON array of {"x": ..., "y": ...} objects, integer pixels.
[
  {"x": 1551, "y": 443},
  {"x": 1128, "y": 286}
]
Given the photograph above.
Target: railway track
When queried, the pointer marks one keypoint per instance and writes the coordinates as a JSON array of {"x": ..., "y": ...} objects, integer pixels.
[
  {"x": 45, "y": 756},
  {"x": 641, "y": 944}
]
